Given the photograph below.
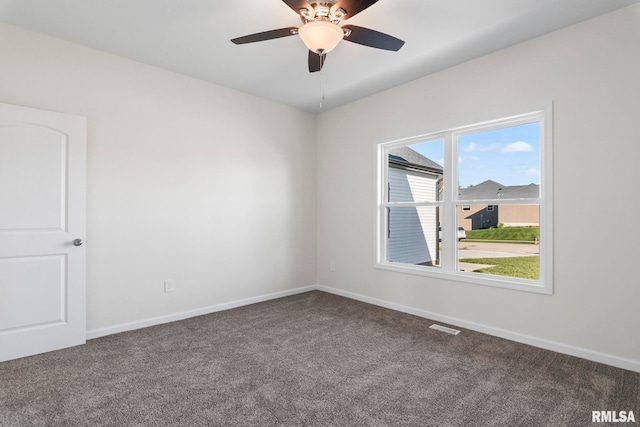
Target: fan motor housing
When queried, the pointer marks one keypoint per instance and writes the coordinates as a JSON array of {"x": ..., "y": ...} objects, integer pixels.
[{"x": 321, "y": 11}]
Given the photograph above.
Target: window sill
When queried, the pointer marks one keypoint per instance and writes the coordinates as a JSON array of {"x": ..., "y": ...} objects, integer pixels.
[{"x": 537, "y": 286}]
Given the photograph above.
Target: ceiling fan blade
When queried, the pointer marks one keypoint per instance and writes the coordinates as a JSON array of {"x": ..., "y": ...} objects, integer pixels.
[
  {"x": 352, "y": 7},
  {"x": 316, "y": 61},
  {"x": 296, "y": 5},
  {"x": 266, "y": 35},
  {"x": 372, "y": 38}
]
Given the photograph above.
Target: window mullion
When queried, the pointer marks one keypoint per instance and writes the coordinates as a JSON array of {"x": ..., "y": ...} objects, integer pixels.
[{"x": 448, "y": 221}]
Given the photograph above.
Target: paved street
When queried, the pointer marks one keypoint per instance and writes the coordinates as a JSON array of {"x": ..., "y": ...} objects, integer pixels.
[{"x": 496, "y": 250}]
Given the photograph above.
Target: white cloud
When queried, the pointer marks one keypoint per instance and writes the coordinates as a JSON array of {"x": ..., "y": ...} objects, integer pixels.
[
  {"x": 533, "y": 171},
  {"x": 459, "y": 159},
  {"x": 517, "y": 147},
  {"x": 471, "y": 147}
]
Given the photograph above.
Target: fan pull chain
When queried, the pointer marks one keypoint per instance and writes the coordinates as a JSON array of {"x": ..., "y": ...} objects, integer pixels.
[{"x": 321, "y": 80}]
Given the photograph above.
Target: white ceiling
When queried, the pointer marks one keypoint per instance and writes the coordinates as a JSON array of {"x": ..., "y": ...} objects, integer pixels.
[{"x": 192, "y": 37}]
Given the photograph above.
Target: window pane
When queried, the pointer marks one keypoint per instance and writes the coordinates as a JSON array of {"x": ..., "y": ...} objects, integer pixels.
[
  {"x": 415, "y": 172},
  {"x": 413, "y": 235},
  {"x": 500, "y": 164},
  {"x": 502, "y": 242}
]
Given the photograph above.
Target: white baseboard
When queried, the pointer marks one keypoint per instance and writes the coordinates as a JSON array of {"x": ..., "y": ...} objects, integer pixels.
[
  {"x": 608, "y": 359},
  {"x": 145, "y": 323}
]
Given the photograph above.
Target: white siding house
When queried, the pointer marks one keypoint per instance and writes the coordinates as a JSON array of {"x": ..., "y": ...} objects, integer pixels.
[{"x": 413, "y": 231}]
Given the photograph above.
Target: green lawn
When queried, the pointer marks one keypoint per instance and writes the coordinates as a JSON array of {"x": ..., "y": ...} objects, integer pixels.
[
  {"x": 526, "y": 267},
  {"x": 525, "y": 234}
]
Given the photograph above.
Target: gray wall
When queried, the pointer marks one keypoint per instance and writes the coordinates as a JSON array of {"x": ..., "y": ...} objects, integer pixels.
[
  {"x": 590, "y": 73},
  {"x": 212, "y": 188}
]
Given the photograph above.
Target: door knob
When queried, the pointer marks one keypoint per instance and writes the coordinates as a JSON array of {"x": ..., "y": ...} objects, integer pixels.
[{"x": 78, "y": 242}]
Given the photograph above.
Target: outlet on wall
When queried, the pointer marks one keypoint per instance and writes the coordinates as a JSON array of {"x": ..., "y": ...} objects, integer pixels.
[
  {"x": 168, "y": 285},
  {"x": 332, "y": 266}
]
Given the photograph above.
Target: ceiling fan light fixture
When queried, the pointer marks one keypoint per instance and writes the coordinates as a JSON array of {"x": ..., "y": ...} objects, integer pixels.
[{"x": 321, "y": 36}]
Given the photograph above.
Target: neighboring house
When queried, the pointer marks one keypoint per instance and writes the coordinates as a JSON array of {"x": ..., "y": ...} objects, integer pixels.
[
  {"x": 413, "y": 232},
  {"x": 474, "y": 217}
]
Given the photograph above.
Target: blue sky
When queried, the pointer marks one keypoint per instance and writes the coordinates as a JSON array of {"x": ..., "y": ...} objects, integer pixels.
[{"x": 510, "y": 156}]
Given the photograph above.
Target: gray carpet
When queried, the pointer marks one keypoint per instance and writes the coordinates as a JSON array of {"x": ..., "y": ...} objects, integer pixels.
[{"x": 313, "y": 359}]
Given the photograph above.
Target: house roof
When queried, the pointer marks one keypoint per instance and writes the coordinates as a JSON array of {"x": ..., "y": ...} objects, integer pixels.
[
  {"x": 494, "y": 190},
  {"x": 405, "y": 157}
]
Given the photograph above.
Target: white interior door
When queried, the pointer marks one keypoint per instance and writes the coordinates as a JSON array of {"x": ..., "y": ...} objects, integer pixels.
[{"x": 42, "y": 212}]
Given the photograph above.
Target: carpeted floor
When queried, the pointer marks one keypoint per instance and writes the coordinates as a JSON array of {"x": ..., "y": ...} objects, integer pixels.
[{"x": 313, "y": 359}]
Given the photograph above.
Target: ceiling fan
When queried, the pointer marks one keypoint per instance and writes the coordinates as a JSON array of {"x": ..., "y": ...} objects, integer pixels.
[{"x": 321, "y": 31}]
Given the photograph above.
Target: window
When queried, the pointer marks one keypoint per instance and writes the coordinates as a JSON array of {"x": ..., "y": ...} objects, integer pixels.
[{"x": 471, "y": 204}]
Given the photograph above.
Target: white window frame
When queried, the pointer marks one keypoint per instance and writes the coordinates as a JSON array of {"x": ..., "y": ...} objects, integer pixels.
[{"x": 448, "y": 269}]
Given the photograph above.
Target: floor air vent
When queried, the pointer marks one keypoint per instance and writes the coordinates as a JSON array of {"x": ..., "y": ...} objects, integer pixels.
[{"x": 444, "y": 329}]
